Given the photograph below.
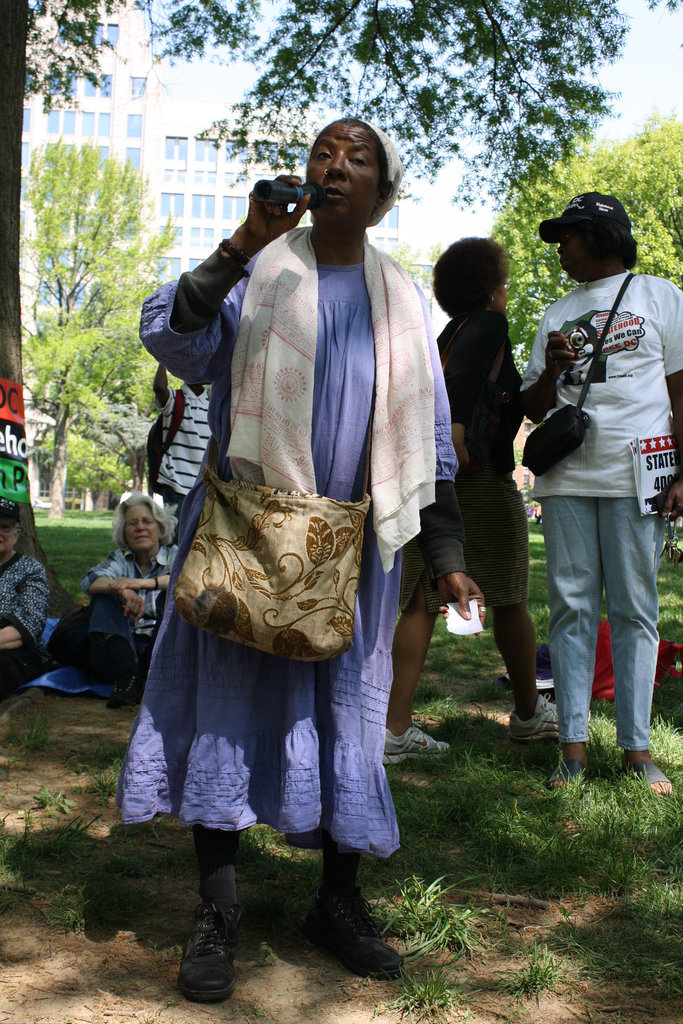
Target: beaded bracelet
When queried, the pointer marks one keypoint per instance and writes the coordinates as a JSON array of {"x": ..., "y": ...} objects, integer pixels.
[{"x": 238, "y": 255}]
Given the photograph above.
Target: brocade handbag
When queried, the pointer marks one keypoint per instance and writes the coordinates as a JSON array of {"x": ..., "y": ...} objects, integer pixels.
[
  {"x": 274, "y": 569},
  {"x": 564, "y": 431}
]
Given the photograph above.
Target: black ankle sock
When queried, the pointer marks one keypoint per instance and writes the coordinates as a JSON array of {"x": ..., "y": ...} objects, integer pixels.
[
  {"x": 340, "y": 870},
  {"x": 216, "y": 852}
]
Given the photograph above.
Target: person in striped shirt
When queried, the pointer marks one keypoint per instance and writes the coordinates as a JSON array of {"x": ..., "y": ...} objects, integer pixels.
[{"x": 182, "y": 462}]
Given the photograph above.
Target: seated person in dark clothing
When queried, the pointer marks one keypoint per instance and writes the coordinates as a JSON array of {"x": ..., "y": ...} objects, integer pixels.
[
  {"x": 126, "y": 589},
  {"x": 24, "y": 599}
]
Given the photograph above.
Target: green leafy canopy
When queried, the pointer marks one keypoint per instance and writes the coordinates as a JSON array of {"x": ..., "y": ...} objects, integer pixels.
[
  {"x": 645, "y": 172},
  {"x": 501, "y": 84},
  {"x": 90, "y": 258}
]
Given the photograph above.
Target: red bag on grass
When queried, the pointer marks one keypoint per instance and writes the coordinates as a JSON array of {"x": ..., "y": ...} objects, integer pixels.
[{"x": 603, "y": 680}]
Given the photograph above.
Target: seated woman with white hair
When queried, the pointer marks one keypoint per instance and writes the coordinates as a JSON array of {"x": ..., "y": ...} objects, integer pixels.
[{"x": 125, "y": 590}]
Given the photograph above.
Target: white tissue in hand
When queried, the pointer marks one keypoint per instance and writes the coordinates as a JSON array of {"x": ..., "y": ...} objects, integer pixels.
[{"x": 456, "y": 624}]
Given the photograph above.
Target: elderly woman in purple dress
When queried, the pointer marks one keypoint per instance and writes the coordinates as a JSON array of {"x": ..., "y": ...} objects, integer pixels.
[{"x": 227, "y": 736}]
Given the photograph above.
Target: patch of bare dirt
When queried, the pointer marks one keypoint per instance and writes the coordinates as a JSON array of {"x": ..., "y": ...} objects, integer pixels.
[{"x": 115, "y": 973}]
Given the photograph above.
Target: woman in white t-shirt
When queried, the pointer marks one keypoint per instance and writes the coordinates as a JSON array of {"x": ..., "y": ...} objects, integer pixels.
[{"x": 594, "y": 533}]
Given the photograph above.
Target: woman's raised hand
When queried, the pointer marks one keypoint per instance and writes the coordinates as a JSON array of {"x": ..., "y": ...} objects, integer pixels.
[{"x": 267, "y": 221}]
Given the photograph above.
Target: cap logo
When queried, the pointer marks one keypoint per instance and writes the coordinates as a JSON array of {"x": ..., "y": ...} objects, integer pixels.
[{"x": 576, "y": 204}]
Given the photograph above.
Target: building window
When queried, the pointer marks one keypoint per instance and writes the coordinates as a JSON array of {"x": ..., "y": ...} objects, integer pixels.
[
  {"x": 172, "y": 203},
  {"x": 133, "y": 157},
  {"x": 134, "y": 130},
  {"x": 89, "y": 89},
  {"x": 99, "y": 35},
  {"x": 112, "y": 34},
  {"x": 195, "y": 237},
  {"x": 203, "y": 207},
  {"x": 53, "y": 122},
  {"x": 205, "y": 151},
  {"x": 27, "y": 120},
  {"x": 385, "y": 243},
  {"x": 104, "y": 152},
  {"x": 234, "y": 207},
  {"x": 194, "y": 264},
  {"x": 105, "y": 85},
  {"x": 137, "y": 88},
  {"x": 103, "y": 124},
  {"x": 69, "y": 124},
  {"x": 88, "y": 125},
  {"x": 235, "y": 152},
  {"x": 390, "y": 220},
  {"x": 179, "y": 235},
  {"x": 176, "y": 149},
  {"x": 24, "y": 154}
]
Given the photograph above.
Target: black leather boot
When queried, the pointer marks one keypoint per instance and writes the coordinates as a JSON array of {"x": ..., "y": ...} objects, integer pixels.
[
  {"x": 127, "y": 690},
  {"x": 345, "y": 927},
  {"x": 207, "y": 973}
]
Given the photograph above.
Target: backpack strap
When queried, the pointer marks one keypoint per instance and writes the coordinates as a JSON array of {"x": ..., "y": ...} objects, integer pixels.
[
  {"x": 446, "y": 354},
  {"x": 178, "y": 411},
  {"x": 497, "y": 364}
]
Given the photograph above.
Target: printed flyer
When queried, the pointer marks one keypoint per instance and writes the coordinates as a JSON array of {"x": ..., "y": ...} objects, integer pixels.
[{"x": 656, "y": 463}]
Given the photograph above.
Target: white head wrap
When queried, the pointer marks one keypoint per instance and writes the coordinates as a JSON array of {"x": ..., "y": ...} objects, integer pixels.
[{"x": 394, "y": 172}]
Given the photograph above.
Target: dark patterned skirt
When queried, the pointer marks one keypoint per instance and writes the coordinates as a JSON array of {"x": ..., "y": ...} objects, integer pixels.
[{"x": 496, "y": 542}]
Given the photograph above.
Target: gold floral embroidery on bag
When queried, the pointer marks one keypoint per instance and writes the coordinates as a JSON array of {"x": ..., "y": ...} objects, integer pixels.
[{"x": 274, "y": 569}]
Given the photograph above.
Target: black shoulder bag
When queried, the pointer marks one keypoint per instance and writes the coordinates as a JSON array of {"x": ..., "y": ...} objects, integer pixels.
[{"x": 563, "y": 432}]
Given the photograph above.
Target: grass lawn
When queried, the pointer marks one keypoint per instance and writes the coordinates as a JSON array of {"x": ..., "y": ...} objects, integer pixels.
[
  {"x": 501, "y": 892},
  {"x": 74, "y": 544}
]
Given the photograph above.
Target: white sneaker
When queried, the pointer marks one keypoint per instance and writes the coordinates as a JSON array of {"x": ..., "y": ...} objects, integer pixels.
[
  {"x": 542, "y": 725},
  {"x": 413, "y": 743}
]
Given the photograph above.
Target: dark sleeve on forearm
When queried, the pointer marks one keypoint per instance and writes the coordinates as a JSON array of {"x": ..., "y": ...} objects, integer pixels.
[
  {"x": 442, "y": 533},
  {"x": 201, "y": 292}
]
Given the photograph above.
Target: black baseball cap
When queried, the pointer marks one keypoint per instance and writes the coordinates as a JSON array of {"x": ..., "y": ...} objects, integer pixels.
[
  {"x": 587, "y": 206},
  {"x": 9, "y": 509}
]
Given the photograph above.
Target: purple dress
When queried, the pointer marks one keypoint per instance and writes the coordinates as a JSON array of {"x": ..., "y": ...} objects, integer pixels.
[{"x": 227, "y": 736}]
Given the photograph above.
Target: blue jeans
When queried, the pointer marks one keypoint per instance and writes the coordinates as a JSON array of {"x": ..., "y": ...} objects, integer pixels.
[{"x": 590, "y": 542}]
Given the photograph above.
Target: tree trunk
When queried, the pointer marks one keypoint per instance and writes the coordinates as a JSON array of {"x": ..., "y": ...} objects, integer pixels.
[
  {"x": 58, "y": 477},
  {"x": 14, "y": 15},
  {"x": 14, "y": 20},
  {"x": 139, "y": 469}
]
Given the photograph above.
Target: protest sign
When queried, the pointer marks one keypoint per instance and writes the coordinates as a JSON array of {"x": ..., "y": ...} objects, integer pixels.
[{"x": 13, "y": 449}]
